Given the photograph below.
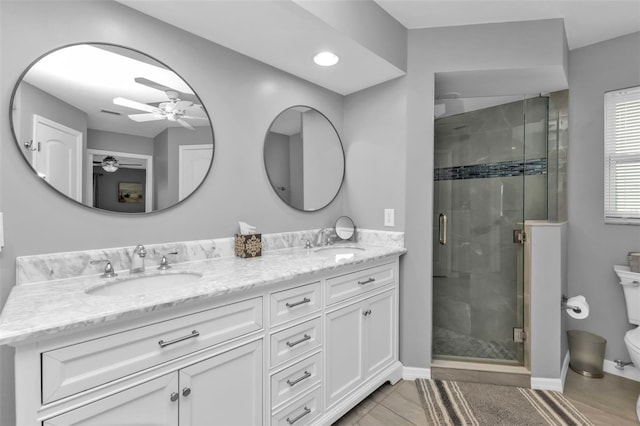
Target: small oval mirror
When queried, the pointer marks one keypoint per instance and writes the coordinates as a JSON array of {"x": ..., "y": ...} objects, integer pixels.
[
  {"x": 304, "y": 159},
  {"x": 345, "y": 228},
  {"x": 112, "y": 128}
]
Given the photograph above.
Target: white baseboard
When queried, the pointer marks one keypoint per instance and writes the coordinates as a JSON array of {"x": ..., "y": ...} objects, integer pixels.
[
  {"x": 412, "y": 373},
  {"x": 543, "y": 383},
  {"x": 629, "y": 372}
]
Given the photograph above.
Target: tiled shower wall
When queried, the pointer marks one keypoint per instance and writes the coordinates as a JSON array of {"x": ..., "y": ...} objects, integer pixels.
[{"x": 480, "y": 160}]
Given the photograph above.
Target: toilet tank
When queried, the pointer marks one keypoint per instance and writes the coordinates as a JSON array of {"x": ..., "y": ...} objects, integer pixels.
[{"x": 630, "y": 282}]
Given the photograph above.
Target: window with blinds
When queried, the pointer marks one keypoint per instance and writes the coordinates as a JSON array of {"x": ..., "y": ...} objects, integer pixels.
[{"x": 622, "y": 156}]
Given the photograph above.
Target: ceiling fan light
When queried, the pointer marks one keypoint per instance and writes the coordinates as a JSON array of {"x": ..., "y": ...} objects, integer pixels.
[
  {"x": 109, "y": 164},
  {"x": 326, "y": 59}
]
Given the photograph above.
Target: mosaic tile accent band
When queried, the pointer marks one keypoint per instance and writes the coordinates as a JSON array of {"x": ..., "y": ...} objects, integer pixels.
[{"x": 536, "y": 166}]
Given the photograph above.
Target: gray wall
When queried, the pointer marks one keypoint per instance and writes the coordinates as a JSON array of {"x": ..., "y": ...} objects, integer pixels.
[
  {"x": 119, "y": 142},
  {"x": 242, "y": 97},
  {"x": 548, "y": 257},
  {"x": 34, "y": 101},
  {"x": 161, "y": 191},
  {"x": 375, "y": 129},
  {"x": 593, "y": 246},
  {"x": 108, "y": 190},
  {"x": 276, "y": 161},
  {"x": 323, "y": 160},
  {"x": 296, "y": 166}
]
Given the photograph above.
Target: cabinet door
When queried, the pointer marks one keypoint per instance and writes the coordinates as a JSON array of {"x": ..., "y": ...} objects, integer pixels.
[
  {"x": 344, "y": 351},
  {"x": 148, "y": 404},
  {"x": 223, "y": 390},
  {"x": 379, "y": 336}
]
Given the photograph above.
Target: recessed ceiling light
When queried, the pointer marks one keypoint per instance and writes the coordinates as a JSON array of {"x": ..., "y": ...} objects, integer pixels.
[{"x": 326, "y": 59}]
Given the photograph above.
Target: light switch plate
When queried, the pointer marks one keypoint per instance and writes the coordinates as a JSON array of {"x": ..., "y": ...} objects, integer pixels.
[{"x": 389, "y": 217}]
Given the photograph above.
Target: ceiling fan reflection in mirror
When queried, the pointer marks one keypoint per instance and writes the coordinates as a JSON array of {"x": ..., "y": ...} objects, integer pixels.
[
  {"x": 111, "y": 164},
  {"x": 175, "y": 109}
]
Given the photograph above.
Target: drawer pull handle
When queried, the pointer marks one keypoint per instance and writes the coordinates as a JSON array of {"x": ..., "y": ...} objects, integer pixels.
[
  {"x": 306, "y": 411},
  {"x": 186, "y": 391},
  {"x": 370, "y": 280},
  {"x": 297, "y": 342},
  {"x": 174, "y": 396},
  {"x": 193, "y": 334},
  {"x": 303, "y": 301},
  {"x": 367, "y": 312},
  {"x": 306, "y": 375}
]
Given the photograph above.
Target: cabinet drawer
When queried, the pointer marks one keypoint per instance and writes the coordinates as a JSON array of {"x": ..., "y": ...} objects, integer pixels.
[
  {"x": 301, "y": 412},
  {"x": 296, "y": 379},
  {"x": 295, "y": 302},
  {"x": 350, "y": 285},
  {"x": 294, "y": 341},
  {"x": 75, "y": 368}
]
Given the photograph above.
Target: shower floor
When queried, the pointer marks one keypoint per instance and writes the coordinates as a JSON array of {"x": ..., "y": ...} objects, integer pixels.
[{"x": 451, "y": 343}]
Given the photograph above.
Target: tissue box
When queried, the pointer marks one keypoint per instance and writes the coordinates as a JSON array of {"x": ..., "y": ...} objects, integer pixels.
[
  {"x": 634, "y": 261},
  {"x": 248, "y": 245}
]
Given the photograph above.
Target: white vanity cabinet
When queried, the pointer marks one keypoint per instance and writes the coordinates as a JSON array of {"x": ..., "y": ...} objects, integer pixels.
[
  {"x": 148, "y": 403},
  {"x": 225, "y": 389},
  {"x": 361, "y": 340},
  {"x": 297, "y": 352}
]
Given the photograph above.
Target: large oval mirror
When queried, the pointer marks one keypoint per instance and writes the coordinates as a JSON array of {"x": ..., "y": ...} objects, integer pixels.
[
  {"x": 112, "y": 128},
  {"x": 304, "y": 158}
]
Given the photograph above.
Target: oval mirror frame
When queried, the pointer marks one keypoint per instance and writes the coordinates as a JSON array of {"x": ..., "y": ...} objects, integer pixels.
[
  {"x": 314, "y": 181},
  {"x": 345, "y": 228},
  {"x": 106, "y": 174}
]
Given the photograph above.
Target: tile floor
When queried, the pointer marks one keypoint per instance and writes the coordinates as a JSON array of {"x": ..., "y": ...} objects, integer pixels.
[{"x": 607, "y": 401}]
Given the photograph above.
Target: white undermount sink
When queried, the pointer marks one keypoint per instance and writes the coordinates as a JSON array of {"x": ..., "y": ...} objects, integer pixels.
[
  {"x": 338, "y": 250},
  {"x": 144, "y": 284}
]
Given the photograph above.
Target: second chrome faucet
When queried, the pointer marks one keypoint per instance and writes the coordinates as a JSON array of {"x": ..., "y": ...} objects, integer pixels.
[{"x": 137, "y": 259}]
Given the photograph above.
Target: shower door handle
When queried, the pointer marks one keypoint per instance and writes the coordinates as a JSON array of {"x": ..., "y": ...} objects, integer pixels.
[{"x": 442, "y": 221}]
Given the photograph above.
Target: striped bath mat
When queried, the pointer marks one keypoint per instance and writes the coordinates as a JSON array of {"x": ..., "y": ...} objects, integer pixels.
[{"x": 460, "y": 403}]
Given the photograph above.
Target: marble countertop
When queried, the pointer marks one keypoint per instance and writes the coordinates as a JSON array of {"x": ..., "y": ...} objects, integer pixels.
[{"x": 40, "y": 309}]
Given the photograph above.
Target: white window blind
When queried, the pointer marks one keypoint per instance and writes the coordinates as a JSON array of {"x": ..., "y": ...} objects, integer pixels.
[{"x": 622, "y": 156}]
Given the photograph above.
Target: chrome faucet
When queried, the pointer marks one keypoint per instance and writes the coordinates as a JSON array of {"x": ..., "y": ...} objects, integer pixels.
[
  {"x": 108, "y": 268},
  {"x": 164, "y": 263},
  {"x": 137, "y": 259}
]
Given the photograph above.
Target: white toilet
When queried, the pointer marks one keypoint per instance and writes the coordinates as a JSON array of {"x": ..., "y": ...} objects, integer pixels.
[{"x": 630, "y": 282}]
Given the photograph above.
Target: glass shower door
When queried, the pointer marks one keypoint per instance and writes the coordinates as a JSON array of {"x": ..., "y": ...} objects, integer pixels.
[{"x": 479, "y": 202}]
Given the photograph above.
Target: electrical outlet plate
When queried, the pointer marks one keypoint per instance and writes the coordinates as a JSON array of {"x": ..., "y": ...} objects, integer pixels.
[{"x": 389, "y": 217}]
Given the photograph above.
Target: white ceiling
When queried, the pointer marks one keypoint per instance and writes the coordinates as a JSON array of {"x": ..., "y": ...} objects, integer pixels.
[
  {"x": 586, "y": 21},
  {"x": 285, "y": 35},
  {"x": 279, "y": 33}
]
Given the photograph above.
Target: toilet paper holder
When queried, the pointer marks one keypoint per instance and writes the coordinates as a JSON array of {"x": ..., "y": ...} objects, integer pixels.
[{"x": 565, "y": 306}]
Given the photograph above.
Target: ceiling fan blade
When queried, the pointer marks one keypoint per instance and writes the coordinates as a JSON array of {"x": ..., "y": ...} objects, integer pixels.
[
  {"x": 140, "y": 118},
  {"x": 152, "y": 84},
  {"x": 191, "y": 117},
  {"x": 183, "y": 96},
  {"x": 185, "y": 124},
  {"x": 135, "y": 105},
  {"x": 129, "y": 164}
]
